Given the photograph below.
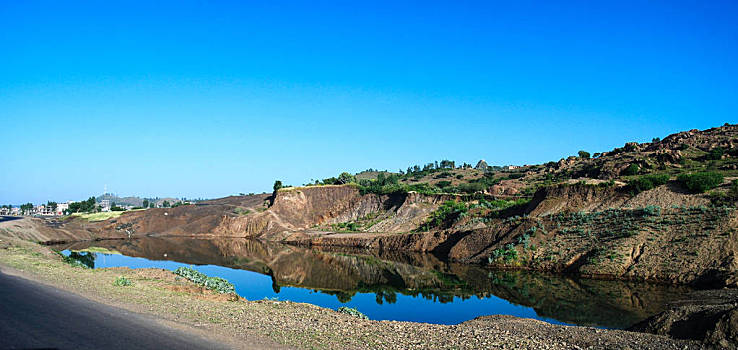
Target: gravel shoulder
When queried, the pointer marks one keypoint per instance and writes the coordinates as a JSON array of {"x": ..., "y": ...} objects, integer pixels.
[
  {"x": 238, "y": 323},
  {"x": 35, "y": 316}
]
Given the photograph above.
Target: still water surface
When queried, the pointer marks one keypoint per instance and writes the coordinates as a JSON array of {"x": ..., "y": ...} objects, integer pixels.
[{"x": 389, "y": 286}]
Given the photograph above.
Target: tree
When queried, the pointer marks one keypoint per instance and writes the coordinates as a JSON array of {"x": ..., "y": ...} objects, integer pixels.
[
  {"x": 145, "y": 203},
  {"x": 52, "y": 205},
  {"x": 26, "y": 208},
  {"x": 83, "y": 206},
  {"x": 165, "y": 204},
  {"x": 701, "y": 181},
  {"x": 584, "y": 154},
  {"x": 345, "y": 178},
  {"x": 277, "y": 185},
  {"x": 91, "y": 202}
]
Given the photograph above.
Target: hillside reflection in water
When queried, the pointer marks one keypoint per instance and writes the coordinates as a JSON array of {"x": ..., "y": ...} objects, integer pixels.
[{"x": 390, "y": 285}]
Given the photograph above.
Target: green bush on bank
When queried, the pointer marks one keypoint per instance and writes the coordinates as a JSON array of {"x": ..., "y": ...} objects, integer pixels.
[
  {"x": 647, "y": 182},
  {"x": 500, "y": 204},
  {"x": 213, "y": 283},
  {"x": 445, "y": 215},
  {"x": 701, "y": 181},
  {"x": 632, "y": 169},
  {"x": 122, "y": 281},
  {"x": 353, "y": 312}
]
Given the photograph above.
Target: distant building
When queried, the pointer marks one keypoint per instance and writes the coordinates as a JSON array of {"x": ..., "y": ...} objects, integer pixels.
[
  {"x": 61, "y": 207},
  {"x": 45, "y": 210},
  {"x": 105, "y": 205}
]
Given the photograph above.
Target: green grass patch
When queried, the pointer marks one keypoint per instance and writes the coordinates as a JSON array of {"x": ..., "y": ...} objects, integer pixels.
[{"x": 101, "y": 216}]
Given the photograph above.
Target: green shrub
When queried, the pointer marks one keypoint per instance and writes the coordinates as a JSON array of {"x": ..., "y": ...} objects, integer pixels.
[
  {"x": 632, "y": 169},
  {"x": 122, "y": 281},
  {"x": 219, "y": 285},
  {"x": 716, "y": 153},
  {"x": 646, "y": 182},
  {"x": 500, "y": 204},
  {"x": 241, "y": 211},
  {"x": 701, "y": 181},
  {"x": 213, "y": 283},
  {"x": 346, "y": 226},
  {"x": 445, "y": 215},
  {"x": 508, "y": 254},
  {"x": 652, "y": 210},
  {"x": 443, "y": 184},
  {"x": 353, "y": 312},
  {"x": 471, "y": 187}
]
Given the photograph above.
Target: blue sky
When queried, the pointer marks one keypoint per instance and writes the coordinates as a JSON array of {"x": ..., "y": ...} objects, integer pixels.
[{"x": 207, "y": 99}]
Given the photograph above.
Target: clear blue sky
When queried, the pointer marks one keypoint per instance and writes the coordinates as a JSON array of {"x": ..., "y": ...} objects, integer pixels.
[{"x": 207, "y": 99}]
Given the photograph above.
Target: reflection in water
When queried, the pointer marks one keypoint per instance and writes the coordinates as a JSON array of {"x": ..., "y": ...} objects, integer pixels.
[
  {"x": 444, "y": 290},
  {"x": 86, "y": 259}
]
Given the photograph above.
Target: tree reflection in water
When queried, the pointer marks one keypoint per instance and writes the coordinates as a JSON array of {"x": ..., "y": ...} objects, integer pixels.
[
  {"x": 85, "y": 259},
  {"x": 391, "y": 275}
]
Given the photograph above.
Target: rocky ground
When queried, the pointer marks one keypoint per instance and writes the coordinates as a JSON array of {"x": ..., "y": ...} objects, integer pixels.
[
  {"x": 708, "y": 316},
  {"x": 239, "y": 323}
]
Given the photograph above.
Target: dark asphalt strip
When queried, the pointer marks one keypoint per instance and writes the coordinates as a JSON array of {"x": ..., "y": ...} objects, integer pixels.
[{"x": 36, "y": 316}]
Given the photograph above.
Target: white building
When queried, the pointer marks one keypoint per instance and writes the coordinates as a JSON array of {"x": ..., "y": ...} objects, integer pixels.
[
  {"x": 44, "y": 210},
  {"x": 61, "y": 207}
]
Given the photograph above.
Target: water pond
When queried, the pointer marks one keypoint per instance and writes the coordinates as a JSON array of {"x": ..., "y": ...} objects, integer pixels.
[{"x": 387, "y": 285}]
